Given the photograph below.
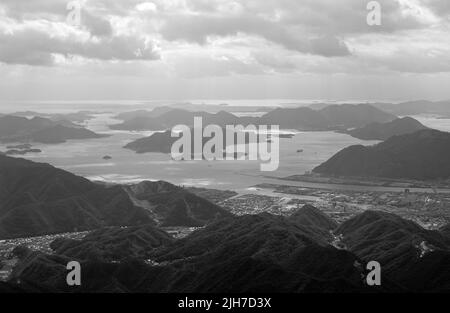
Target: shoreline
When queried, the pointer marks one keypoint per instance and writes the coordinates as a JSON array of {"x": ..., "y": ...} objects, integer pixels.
[{"x": 368, "y": 184}]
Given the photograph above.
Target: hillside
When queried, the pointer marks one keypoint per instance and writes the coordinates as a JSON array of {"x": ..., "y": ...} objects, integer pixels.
[
  {"x": 174, "y": 206},
  {"x": 140, "y": 123},
  {"x": 346, "y": 116},
  {"x": 60, "y": 134},
  {"x": 167, "y": 119},
  {"x": 260, "y": 253},
  {"x": 161, "y": 142},
  {"x": 38, "y": 199},
  {"x": 384, "y": 131},
  {"x": 446, "y": 230},
  {"x": 423, "y": 155},
  {"x": 417, "y": 107},
  {"x": 158, "y": 111},
  {"x": 41, "y": 130},
  {"x": 113, "y": 244},
  {"x": 156, "y": 143},
  {"x": 311, "y": 218},
  {"x": 252, "y": 253},
  {"x": 301, "y": 118},
  {"x": 409, "y": 254}
]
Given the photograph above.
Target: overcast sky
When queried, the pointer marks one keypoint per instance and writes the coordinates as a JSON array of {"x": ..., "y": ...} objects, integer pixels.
[{"x": 224, "y": 49}]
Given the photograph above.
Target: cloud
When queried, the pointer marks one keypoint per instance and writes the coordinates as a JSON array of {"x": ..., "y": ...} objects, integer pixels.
[
  {"x": 225, "y": 37},
  {"x": 329, "y": 46},
  {"x": 439, "y": 7},
  {"x": 96, "y": 25},
  {"x": 35, "y": 47},
  {"x": 198, "y": 29}
]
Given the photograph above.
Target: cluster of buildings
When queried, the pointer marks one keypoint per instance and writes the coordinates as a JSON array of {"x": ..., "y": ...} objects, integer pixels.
[
  {"x": 430, "y": 210},
  {"x": 256, "y": 204},
  {"x": 41, "y": 243}
]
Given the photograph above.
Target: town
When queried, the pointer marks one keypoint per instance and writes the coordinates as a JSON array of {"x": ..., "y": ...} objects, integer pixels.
[{"x": 430, "y": 210}]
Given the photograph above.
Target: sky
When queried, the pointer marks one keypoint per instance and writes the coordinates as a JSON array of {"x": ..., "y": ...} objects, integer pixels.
[{"x": 224, "y": 49}]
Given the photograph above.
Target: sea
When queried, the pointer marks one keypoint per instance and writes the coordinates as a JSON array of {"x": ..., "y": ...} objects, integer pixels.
[{"x": 298, "y": 155}]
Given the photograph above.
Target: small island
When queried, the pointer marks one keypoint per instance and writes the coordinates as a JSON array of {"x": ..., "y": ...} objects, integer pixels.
[{"x": 21, "y": 149}]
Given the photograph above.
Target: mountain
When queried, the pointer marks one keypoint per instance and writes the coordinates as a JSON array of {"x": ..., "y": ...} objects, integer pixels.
[
  {"x": 113, "y": 244},
  {"x": 140, "y": 123},
  {"x": 417, "y": 107},
  {"x": 60, "y": 134},
  {"x": 423, "y": 155},
  {"x": 319, "y": 224},
  {"x": 326, "y": 117},
  {"x": 410, "y": 255},
  {"x": 346, "y": 116},
  {"x": 319, "y": 106},
  {"x": 302, "y": 118},
  {"x": 383, "y": 131},
  {"x": 446, "y": 230},
  {"x": 247, "y": 254},
  {"x": 167, "y": 119},
  {"x": 405, "y": 108},
  {"x": 156, "y": 143},
  {"x": 261, "y": 253},
  {"x": 162, "y": 142},
  {"x": 66, "y": 118},
  {"x": 38, "y": 199},
  {"x": 125, "y": 116},
  {"x": 14, "y": 125},
  {"x": 42, "y": 130},
  {"x": 171, "y": 205}
]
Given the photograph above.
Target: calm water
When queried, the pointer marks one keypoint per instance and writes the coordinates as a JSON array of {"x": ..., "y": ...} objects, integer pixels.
[{"x": 85, "y": 158}]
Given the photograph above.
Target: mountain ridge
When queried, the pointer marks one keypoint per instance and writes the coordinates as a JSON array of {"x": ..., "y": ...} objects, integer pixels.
[
  {"x": 41, "y": 130},
  {"x": 422, "y": 155},
  {"x": 383, "y": 131}
]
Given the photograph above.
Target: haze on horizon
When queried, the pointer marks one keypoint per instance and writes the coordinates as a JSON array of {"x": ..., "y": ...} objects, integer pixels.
[{"x": 222, "y": 49}]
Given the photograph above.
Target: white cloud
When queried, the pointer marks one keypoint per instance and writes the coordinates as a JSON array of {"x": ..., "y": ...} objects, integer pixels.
[
  {"x": 197, "y": 39},
  {"x": 146, "y": 6}
]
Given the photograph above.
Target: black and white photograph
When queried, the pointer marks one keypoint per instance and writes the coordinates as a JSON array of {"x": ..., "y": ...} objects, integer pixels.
[{"x": 241, "y": 148}]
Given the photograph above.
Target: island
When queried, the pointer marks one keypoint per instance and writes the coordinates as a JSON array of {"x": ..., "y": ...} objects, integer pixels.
[
  {"x": 422, "y": 155},
  {"x": 383, "y": 131}
]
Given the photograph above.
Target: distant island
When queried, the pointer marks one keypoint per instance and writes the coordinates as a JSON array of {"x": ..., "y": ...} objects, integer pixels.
[
  {"x": 156, "y": 143},
  {"x": 22, "y": 152},
  {"x": 440, "y": 108},
  {"x": 333, "y": 117},
  {"x": 423, "y": 155},
  {"x": 383, "y": 131},
  {"x": 41, "y": 130},
  {"x": 21, "y": 149},
  {"x": 75, "y": 117},
  {"x": 167, "y": 119},
  {"x": 60, "y": 134},
  {"x": 161, "y": 142}
]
